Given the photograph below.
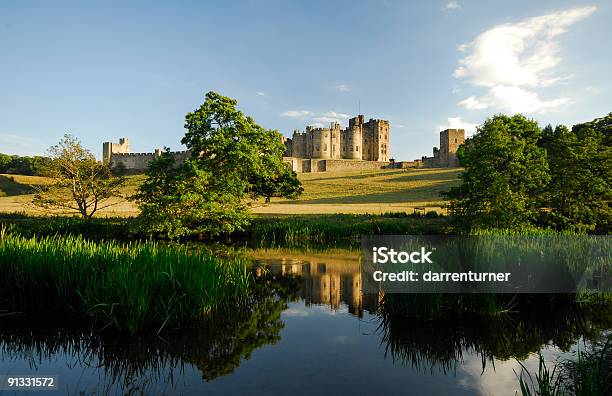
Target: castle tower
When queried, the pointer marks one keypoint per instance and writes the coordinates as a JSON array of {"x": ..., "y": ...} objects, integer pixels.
[
  {"x": 321, "y": 147},
  {"x": 376, "y": 140},
  {"x": 335, "y": 143},
  {"x": 353, "y": 138},
  {"x": 450, "y": 140},
  {"x": 110, "y": 148}
]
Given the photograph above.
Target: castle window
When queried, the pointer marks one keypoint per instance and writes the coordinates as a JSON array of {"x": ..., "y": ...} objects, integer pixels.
[
  {"x": 325, "y": 147},
  {"x": 455, "y": 140},
  {"x": 356, "y": 148}
]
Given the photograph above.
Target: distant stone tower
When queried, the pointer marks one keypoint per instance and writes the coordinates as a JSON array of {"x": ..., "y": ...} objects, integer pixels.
[
  {"x": 110, "y": 148},
  {"x": 446, "y": 155},
  {"x": 450, "y": 140}
]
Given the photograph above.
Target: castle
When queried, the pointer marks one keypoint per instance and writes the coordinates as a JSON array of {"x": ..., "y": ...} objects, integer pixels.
[
  {"x": 360, "y": 146},
  {"x": 322, "y": 149},
  {"x": 366, "y": 141}
]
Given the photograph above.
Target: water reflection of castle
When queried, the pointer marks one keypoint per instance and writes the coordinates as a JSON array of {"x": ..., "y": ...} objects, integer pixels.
[{"x": 328, "y": 280}]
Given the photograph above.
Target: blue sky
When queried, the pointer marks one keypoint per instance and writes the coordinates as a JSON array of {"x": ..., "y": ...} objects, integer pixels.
[{"x": 106, "y": 70}]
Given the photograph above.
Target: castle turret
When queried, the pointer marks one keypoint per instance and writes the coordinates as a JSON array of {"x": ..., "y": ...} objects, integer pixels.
[
  {"x": 110, "y": 148},
  {"x": 450, "y": 140},
  {"x": 353, "y": 138}
]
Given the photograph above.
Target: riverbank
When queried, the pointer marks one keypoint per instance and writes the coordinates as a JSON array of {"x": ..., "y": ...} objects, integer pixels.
[
  {"x": 290, "y": 230},
  {"x": 129, "y": 286}
]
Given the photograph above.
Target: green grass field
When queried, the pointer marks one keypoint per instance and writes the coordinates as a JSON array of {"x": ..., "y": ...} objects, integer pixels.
[{"x": 356, "y": 192}]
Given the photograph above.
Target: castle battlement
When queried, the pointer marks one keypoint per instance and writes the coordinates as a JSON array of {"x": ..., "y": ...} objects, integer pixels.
[{"x": 119, "y": 153}]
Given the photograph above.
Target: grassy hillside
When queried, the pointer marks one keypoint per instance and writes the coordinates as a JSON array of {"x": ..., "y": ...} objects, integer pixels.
[{"x": 376, "y": 191}]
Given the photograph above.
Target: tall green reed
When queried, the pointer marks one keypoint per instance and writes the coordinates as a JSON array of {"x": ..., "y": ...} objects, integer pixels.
[{"x": 129, "y": 286}]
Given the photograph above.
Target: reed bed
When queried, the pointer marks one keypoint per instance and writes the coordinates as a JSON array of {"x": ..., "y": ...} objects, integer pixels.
[
  {"x": 130, "y": 286},
  {"x": 297, "y": 230}
]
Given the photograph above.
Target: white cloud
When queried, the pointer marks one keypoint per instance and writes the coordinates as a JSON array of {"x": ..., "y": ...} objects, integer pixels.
[
  {"x": 331, "y": 116},
  {"x": 472, "y": 103},
  {"x": 343, "y": 87},
  {"x": 514, "y": 100},
  {"x": 458, "y": 123},
  {"x": 296, "y": 113},
  {"x": 261, "y": 93},
  {"x": 452, "y": 5},
  {"x": 398, "y": 126},
  {"x": 511, "y": 58}
]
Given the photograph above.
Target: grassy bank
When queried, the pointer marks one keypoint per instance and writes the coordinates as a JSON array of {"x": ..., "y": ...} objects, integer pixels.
[
  {"x": 297, "y": 230},
  {"x": 131, "y": 286},
  {"x": 291, "y": 230}
]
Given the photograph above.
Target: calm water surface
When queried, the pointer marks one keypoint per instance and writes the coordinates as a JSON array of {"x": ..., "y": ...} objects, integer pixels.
[{"x": 309, "y": 331}]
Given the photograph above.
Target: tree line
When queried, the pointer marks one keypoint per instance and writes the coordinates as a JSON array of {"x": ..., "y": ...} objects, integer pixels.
[
  {"x": 519, "y": 175},
  {"x": 18, "y": 165}
]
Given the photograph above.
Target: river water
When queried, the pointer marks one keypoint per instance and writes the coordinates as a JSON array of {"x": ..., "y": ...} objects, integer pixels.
[{"x": 309, "y": 331}]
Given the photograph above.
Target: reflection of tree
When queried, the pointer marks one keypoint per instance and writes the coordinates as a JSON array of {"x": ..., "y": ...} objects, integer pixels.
[
  {"x": 531, "y": 322},
  {"x": 216, "y": 346}
]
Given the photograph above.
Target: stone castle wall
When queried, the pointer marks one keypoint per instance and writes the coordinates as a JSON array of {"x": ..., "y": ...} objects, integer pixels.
[
  {"x": 119, "y": 153},
  {"x": 306, "y": 165},
  {"x": 360, "y": 146}
]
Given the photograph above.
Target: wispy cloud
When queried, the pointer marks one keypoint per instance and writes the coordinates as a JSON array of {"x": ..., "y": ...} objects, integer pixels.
[
  {"x": 331, "y": 116},
  {"x": 343, "y": 87},
  {"x": 457, "y": 123},
  {"x": 260, "y": 93},
  {"x": 18, "y": 144},
  {"x": 296, "y": 113},
  {"x": 317, "y": 119},
  {"x": 452, "y": 5},
  {"x": 512, "y": 60}
]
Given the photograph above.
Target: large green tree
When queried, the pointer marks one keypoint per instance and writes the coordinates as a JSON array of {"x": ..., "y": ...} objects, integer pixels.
[
  {"x": 232, "y": 159},
  {"x": 182, "y": 199},
  {"x": 241, "y": 154},
  {"x": 580, "y": 189},
  {"x": 505, "y": 175}
]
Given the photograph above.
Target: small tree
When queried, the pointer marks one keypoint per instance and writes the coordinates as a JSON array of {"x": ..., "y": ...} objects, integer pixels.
[{"x": 79, "y": 182}]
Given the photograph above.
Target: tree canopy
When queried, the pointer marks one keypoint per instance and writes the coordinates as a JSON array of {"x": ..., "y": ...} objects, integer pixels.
[
  {"x": 505, "y": 175},
  {"x": 232, "y": 159},
  {"x": 517, "y": 175}
]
